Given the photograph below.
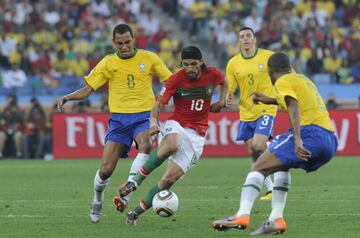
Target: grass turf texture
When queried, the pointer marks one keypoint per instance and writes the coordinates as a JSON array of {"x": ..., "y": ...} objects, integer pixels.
[{"x": 52, "y": 199}]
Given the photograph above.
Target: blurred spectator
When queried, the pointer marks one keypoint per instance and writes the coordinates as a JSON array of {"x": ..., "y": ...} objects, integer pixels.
[
  {"x": 79, "y": 66},
  {"x": 331, "y": 102},
  {"x": 51, "y": 16},
  {"x": 61, "y": 65},
  {"x": 14, "y": 77},
  {"x": 199, "y": 13},
  {"x": 83, "y": 106},
  {"x": 34, "y": 139},
  {"x": 253, "y": 21},
  {"x": 149, "y": 23},
  {"x": 12, "y": 127},
  {"x": 314, "y": 64},
  {"x": 7, "y": 47},
  {"x": 104, "y": 107}
]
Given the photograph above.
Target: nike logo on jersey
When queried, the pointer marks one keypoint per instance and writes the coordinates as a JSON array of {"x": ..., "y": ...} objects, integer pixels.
[
  {"x": 185, "y": 94},
  {"x": 262, "y": 127}
]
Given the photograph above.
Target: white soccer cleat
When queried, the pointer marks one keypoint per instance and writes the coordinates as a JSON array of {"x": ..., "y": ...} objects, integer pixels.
[{"x": 95, "y": 212}]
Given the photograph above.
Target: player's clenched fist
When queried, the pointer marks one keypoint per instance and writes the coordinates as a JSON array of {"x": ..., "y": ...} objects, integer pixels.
[
  {"x": 61, "y": 101},
  {"x": 229, "y": 99}
]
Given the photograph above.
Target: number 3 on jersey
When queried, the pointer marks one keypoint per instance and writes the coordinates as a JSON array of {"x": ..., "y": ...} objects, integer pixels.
[{"x": 197, "y": 104}]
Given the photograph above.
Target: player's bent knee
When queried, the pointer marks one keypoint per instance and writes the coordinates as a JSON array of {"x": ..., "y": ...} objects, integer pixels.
[
  {"x": 170, "y": 148},
  {"x": 258, "y": 148}
]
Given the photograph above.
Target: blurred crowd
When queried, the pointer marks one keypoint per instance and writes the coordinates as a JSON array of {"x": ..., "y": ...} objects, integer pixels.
[
  {"x": 46, "y": 47},
  {"x": 322, "y": 37},
  {"x": 26, "y": 130}
]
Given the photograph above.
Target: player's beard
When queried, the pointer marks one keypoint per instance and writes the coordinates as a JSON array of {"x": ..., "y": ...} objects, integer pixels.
[{"x": 193, "y": 76}]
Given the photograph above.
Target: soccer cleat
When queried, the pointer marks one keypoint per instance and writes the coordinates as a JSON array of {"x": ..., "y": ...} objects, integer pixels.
[
  {"x": 271, "y": 227},
  {"x": 127, "y": 188},
  {"x": 267, "y": 196},
  {"x": 131, "y": 218},
  {"x": 236, "y": 222},
  {"x": 120, "y": 203},
  {"x": 95, "y": 212}
]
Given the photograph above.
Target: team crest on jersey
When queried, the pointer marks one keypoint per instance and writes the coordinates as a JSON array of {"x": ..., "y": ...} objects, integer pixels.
[
  {"x": 261, "y": 67},
  {"x": 162, "y": 91},
  {"x": 209, "y": 91},
  {"x": 142, "y": 66}
]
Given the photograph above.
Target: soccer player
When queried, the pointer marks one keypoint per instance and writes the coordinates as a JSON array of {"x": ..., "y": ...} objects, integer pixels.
[
  {"x": 181, "y": 138},
  {"x": 248, "y": 70},
  {"x": 309, "y": 144},
  {"x": 128, "y": 72}
]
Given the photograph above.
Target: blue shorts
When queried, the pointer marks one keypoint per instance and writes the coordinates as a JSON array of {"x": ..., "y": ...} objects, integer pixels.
[
  {"x": 124, "y": 127},
  {"x": 320, "y": 142},
  {"x": 263, "y": 125}
]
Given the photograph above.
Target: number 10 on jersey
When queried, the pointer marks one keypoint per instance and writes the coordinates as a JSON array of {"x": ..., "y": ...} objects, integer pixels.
[{"x": 197, "y": 104}]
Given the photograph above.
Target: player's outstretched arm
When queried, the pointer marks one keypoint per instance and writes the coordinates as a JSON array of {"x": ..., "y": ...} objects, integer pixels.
[
  {"x": 259, "y": 97},
  {"x": 216, "y": 107},
  {"x": 76, "y": 95}
]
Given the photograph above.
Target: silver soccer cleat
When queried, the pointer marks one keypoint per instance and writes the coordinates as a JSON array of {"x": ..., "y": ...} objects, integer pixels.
[{"x": 95, "y": 212}]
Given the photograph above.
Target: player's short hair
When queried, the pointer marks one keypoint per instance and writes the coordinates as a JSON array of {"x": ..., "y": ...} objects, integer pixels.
[
  {"x": 191, "y": 52},
  {"x": 245, "y": 28},
  {"x": 279, "y": 62},
  {"x": 122, "y": 29}
]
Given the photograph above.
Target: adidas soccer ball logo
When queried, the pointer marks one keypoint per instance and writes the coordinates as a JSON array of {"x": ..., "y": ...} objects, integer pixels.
[{"x": 165, "y": 203}]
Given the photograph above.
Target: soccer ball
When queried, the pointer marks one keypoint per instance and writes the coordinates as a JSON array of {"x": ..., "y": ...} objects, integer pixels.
[{"x": 165, "y": 203}]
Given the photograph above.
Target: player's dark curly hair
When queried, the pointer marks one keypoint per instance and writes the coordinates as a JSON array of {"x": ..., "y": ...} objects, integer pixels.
[
  {"x": 192, "y": 52},
  {"x": 279, "y": 62},
  {"x": 122, "y": 29}
]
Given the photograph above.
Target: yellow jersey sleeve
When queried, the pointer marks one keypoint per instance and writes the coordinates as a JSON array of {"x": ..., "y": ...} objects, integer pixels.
[
  {"x": 160, "y": 69},
  {"x": 283, "y": 89},
  {"x": 231, "y": 77},
  {"x": 99, "y": 75}
]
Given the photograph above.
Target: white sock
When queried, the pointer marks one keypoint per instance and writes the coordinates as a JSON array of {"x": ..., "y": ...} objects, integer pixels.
[
  {"x": 282, "y": 181},
  {"x": 99, "y": 187},
  {"x": 138, "y": 162},
  {"x": 251, "y": 189},
  {"x": 268, "y": 183}
]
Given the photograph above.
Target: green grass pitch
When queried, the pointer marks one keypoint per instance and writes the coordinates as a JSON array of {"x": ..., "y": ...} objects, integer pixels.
[{"x": 52, "y": 198}]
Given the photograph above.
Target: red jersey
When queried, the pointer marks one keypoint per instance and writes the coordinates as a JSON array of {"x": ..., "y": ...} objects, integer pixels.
[{"x": 192, "y": 98}]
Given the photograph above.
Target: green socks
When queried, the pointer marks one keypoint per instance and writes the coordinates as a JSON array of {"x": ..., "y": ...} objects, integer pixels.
[
  {"x": 151, "y": 163},
  {"x": 146, "y": 203}
]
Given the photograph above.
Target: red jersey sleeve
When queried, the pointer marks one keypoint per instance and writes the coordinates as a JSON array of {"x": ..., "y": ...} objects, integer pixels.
[
  {"x": 168, "y": 90},
  {"x": 219, "y": 78}
]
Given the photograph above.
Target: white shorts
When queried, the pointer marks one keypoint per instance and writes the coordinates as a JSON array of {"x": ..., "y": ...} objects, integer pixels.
[{"x": 191, "y": 144}]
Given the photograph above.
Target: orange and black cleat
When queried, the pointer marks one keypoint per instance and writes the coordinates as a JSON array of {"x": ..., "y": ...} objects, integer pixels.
[{"x": 120, "y": 203}]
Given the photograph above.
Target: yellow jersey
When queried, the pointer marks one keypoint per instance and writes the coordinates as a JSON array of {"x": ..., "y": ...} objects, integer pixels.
[
  {"x": 251, "y": 75},
  {"x": 312, "y": 107},
  {"x": 129, "y": 80}
]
